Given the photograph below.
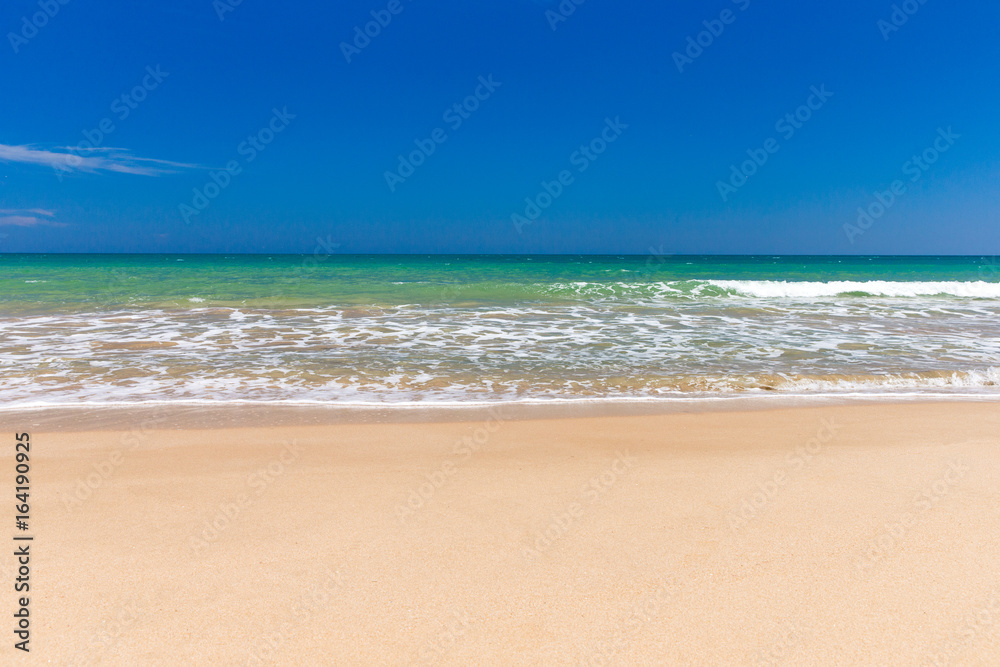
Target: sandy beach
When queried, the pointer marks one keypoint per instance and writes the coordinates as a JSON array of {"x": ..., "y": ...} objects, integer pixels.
[{"x": 862, "y": 534}]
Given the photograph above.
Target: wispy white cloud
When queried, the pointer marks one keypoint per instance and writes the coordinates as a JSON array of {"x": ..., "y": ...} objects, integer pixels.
[
  {"x": 27, "y": 217},
  {"x": 94, "y": 160},
  {"x": 33, "y": 211}
]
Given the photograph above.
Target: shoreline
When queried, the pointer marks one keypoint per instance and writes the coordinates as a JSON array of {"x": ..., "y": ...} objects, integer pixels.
[{"x": 228, "y": 414}]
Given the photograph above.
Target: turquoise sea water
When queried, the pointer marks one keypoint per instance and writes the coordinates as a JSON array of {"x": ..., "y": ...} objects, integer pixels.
[{"x": 432, "y": 329}]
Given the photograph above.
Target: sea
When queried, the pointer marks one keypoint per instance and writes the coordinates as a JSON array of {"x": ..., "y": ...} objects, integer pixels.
[{"x": 393, "y": 330}]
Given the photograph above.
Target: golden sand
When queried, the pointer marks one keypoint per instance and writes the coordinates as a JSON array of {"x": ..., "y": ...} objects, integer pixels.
[{"x": 827, "y": 536}]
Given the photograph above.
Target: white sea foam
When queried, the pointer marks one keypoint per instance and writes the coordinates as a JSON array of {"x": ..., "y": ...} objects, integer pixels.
[
  {"x": 883, "y": 288},
  {"x": 466, "y": 357},
  {"x": 774, "y": 289},
  {"x": 659, "y": 341}
]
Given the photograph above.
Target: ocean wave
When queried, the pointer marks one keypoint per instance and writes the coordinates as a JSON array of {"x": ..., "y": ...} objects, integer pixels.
[
  {"x": 732, "y": 338},
  {"x": 772, "y": 289},
  {"x": 879, "y": 288}
]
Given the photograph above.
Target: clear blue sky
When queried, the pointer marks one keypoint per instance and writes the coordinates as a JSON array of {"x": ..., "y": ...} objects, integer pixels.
[{"x": 211, "y": 83}]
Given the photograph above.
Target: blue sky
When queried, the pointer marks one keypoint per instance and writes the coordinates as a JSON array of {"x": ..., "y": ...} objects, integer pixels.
[{"x": 587, "y": 118}]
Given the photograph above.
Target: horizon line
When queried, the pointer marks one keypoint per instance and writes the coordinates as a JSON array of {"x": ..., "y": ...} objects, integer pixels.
[{"x": 498, "y": 254}]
